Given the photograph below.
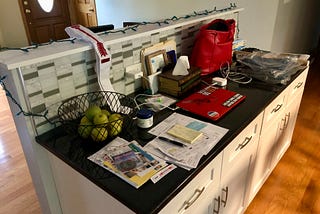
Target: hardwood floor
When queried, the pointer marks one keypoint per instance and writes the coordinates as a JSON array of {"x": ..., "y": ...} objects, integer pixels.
[
  {"x": 293, "y": 187},
  {"x": 17, "y": 194}
]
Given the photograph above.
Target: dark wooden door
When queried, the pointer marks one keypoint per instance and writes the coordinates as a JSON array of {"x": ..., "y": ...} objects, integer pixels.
[{"x": 44, "y": 26}]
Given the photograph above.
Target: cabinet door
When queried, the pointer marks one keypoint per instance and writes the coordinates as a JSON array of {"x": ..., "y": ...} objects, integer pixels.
[
  {"x": 269, "y": 134},
  {"x": 262, "y": 166},
  {"x": 233, "y": 187},
  {"x": 198, "y": 195},
  {"x": 237, "y": 163},
  {"x": 286, "y": 128},
  {"x": 287, "y": 123}
]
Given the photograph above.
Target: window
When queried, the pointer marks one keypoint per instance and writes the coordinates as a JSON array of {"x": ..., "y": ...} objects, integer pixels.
[{"x": 46, "y": 5}]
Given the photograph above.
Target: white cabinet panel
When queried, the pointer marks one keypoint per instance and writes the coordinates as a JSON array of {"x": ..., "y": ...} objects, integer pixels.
[
  {"x": 237, "y": 166},
  {"x": 262, "y": 166},
  {"x": 237, "y": 148},
  {"x": 198, "y": 195},
  {"x": 296, "y": 87},
  {"x": 274, "y": 109},
  {"x": 286, "y": 128},
  {"x": 287, "y": 123},
  {"x": 79, "y": 195}
]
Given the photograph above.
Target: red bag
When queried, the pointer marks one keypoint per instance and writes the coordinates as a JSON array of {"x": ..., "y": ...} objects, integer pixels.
[{"x": 213, "y": 45}]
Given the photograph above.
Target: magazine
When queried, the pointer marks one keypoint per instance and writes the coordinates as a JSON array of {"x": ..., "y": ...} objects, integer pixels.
[{"x": 128, "y": 161}]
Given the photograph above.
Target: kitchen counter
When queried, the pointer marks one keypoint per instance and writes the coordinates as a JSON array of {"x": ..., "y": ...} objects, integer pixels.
[{"x": 151, "y": 198}]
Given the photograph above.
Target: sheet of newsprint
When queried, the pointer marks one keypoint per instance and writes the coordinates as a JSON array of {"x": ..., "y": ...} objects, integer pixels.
[
  {"x": 189, "y": 155},
  {"x": 128, "y": 161}
]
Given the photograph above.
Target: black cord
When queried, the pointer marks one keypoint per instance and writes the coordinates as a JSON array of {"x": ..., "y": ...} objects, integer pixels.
[
  {"x": 133, "y": 28},
  {"x": 21, "y": 111}
]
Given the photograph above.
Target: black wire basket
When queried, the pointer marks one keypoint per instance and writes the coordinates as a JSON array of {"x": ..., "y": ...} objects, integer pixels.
[{"x": 97, "y": 116}]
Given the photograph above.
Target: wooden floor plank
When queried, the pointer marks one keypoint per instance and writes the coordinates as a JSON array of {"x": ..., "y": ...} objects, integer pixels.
[{"x": 17, "y": 193}]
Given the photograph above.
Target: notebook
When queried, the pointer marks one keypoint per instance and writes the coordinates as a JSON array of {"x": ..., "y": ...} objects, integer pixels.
[
  {"x": 184, "y": 133},
  {"x": 211, "y": 102}
]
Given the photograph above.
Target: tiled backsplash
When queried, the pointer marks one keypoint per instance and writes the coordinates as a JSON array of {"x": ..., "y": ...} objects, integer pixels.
[{"x": 48, "y": 83}]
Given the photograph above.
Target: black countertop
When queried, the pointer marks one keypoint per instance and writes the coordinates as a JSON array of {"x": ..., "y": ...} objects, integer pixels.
[{"x": 151, "y": 198}]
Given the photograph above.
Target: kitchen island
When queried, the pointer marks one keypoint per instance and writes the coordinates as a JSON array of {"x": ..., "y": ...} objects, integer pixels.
[
  {"x": 68, "y": 155},
  {"x": 66, "y": 182}
]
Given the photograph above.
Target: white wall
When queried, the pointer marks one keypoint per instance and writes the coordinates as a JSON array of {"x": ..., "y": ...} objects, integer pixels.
[
  {"x": 277, "y": 25},
  {"x": 269, "y": 25},
  {"x": 297, "y": 26},
  {"x": 115, "y": 12},
  {"x": 11, "y": 25},
  {"x": 257, "y": 22},
  {"x": 1, "y": 39}
]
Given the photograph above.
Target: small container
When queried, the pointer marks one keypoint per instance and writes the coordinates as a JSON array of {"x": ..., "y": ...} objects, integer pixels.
[{"x": 144, "y": 118}]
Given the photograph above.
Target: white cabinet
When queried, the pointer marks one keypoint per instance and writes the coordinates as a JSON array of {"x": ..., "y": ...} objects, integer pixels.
[
  {"x": 198, "y": 196},
  {"x": 270, "y": 133},
  {"x": 237, "y": 166},
  {"x": 285, "y": 130},
  {"x": 294, "y": 94},
  {"x": 212, "y": 192},
  {"x": 277, "y": 129}
]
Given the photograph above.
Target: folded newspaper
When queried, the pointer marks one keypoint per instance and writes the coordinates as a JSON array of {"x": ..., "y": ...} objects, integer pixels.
[{"x": 128, "y": 161}]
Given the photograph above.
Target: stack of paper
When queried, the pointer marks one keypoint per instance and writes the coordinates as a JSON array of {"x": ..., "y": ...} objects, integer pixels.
[{"x": 187, "y": 156}]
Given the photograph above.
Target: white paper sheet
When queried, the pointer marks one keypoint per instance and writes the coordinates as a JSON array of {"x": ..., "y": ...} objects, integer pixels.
[{"x": 186, "y": 157}]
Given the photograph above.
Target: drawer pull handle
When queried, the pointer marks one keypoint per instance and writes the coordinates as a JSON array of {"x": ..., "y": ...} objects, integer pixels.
[
  {"x": 277, "y": 108},
  {"x": 224, "y": 202},
  {"x": 197, "y": 194},
  {"x": 298, "y": 85},
  {"x": 216, "y": 211},
  {"x": 244, "y": 143},
  {"x": 286, "y": 121}
]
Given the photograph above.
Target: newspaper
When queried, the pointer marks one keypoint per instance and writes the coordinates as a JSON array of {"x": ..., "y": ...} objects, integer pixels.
[{"x": 128, "y": 161}]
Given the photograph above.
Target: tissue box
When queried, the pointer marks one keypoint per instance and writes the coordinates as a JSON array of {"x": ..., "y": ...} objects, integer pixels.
[{"x": 179, "y": 85}]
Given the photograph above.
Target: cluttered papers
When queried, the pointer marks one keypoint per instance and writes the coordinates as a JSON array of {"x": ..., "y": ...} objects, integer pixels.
[
  {"x": 136, "y": 165},
  {"x": 128, "y": 161},
  {"x": 189, "y": 155}
]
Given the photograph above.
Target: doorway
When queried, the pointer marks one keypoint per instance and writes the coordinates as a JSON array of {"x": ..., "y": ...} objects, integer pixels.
[
  {"x": 86, "y": 12},
  {"x": 43, "y": 25}
]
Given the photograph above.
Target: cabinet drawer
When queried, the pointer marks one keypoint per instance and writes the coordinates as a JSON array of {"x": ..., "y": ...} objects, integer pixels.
[
  {"x": 242, "y": 145},
  {"x": 274, "y": 109},
  {"x": 297, "y": 86},
  {"x": 194, "y": 197}
]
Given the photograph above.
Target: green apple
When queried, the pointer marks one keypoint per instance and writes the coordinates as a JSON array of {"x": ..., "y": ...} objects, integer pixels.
[
  {"x": 115, "y": 124},
  {"x": 100, "y": 119},
  {"x": 92, "y": 111},
  {"x": 114, "y": 116},
  {"x": 85, "y": 129},
  {"x": 84, "y": 119},
  {"x": 99, "y": 134},
  {"x": 106, "y": 112}
]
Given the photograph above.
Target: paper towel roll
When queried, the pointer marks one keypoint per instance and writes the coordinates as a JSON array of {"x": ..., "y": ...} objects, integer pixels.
[{"x": 182, "y": 66}]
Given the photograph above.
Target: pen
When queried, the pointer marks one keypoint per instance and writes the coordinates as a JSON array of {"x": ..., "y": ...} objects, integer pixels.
[{"x": 171, "y": 141}]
